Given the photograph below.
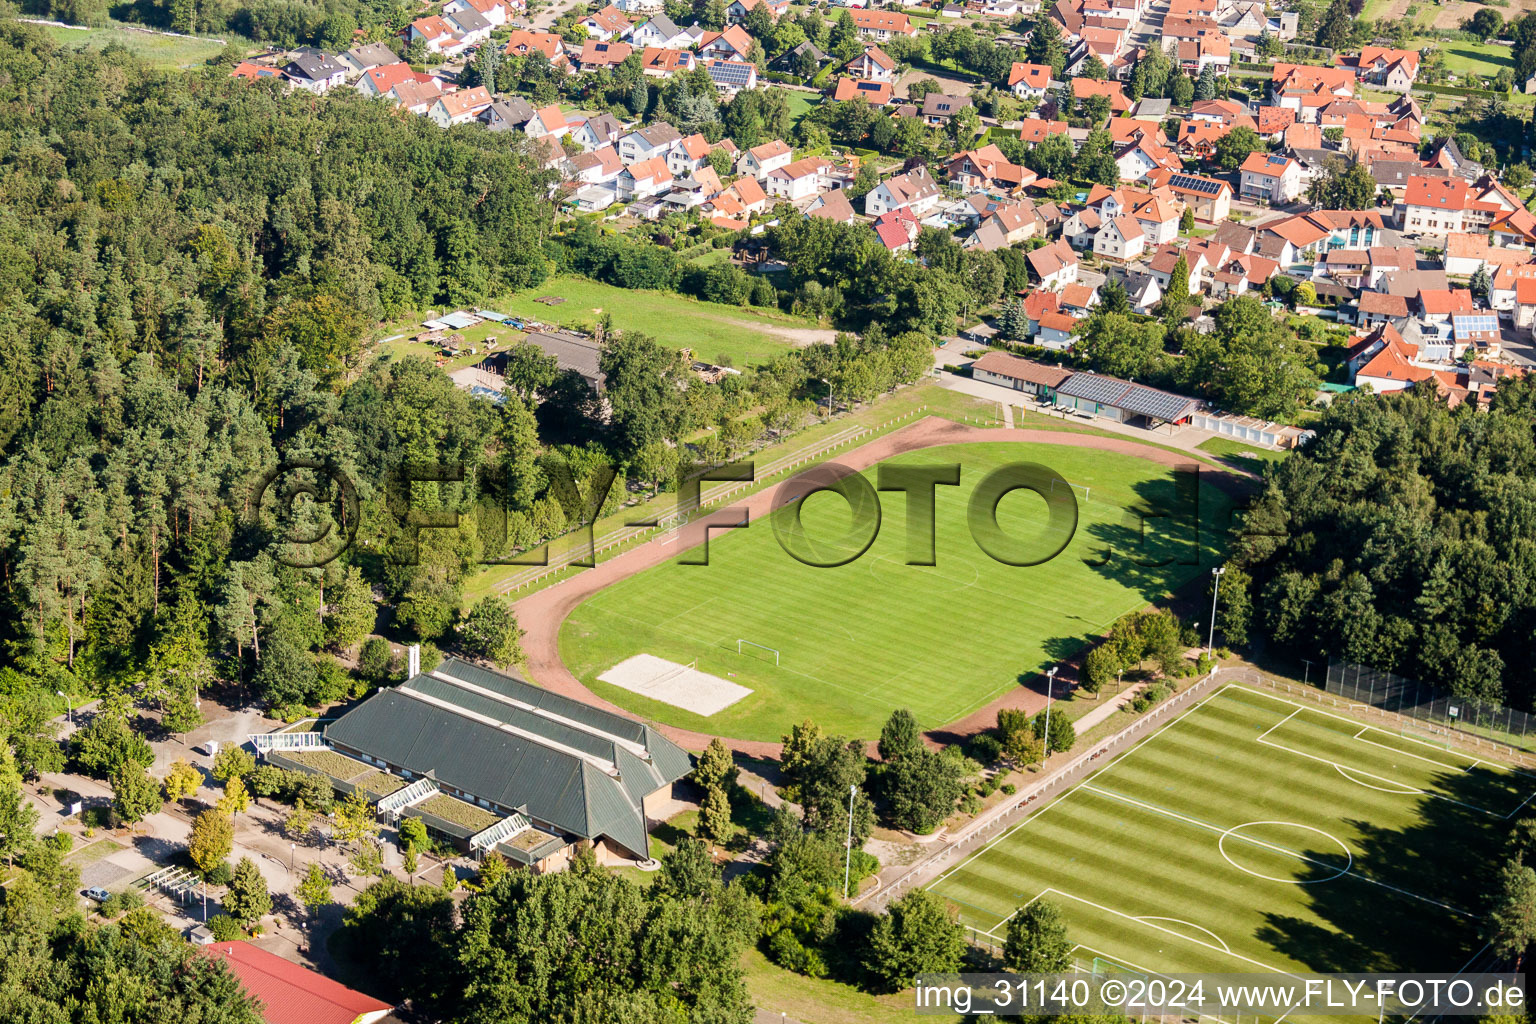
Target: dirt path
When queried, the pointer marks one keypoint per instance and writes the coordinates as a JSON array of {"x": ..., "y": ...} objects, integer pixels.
[
  {"x": 800, "y": 337},
  {"x": 542, "y": 614}
]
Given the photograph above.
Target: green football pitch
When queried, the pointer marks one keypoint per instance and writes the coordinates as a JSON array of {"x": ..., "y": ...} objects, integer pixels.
[
  {"x": 1256, "y": 834},
  {"x": 855, "y": 642}
]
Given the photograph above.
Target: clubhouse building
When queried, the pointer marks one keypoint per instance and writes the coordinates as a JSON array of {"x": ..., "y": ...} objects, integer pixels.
[{"x": 489, "y": 761}]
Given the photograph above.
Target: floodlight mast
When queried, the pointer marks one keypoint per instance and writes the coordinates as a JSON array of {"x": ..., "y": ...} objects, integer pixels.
[
  {"x": 1050, "y": 679},
  {"x": 1210, "y": 643},
  {"x": 848, "y": 851}
]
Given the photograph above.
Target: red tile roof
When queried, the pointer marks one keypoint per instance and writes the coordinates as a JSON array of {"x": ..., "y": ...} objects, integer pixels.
[
  {"x": 291, "y": 994},
  {"x": 1440, "y": 193}
]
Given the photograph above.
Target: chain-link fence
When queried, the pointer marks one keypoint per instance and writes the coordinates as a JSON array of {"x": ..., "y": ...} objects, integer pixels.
[{"x": 1378, "y": 688}]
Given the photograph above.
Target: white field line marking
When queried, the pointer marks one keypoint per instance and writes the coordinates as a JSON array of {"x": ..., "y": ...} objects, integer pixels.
[
  {"x": 1114, "y": 760},
  {"x": 1168, "y": 931},
  {"x": 1280, "y": 849},
  {"x": 1360, "y": 738},
  {"x": 1406, "y": 789},
  {"x": 1510, "y": 769},
  {"x": 1379, "y": 778},
  {"x": 1190, "y": 924}
]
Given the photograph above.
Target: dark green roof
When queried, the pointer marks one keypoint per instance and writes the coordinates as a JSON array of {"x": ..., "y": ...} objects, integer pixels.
[{"x": 499, "y": 738}]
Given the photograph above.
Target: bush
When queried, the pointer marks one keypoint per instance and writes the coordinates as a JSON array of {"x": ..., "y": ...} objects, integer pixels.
[
  {"x": 224, "y": 928},
  {"x": 1009, "y": 788},
  {"x": 122, "y": 902},
  {"x": 786, "y": 951},
  {"x": 984, "y": 748},
  {"x": 62, "y": 841},
  {"x": 221, "y": 874}
]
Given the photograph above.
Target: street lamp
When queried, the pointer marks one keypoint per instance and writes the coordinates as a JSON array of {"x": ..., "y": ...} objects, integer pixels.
[
  {"x": 68, "y": 709},
  {"x": 1050, "y": 679},
  {"x": 292, "y": 850},
  {"x": 1210, "y": 642},
  {"x": 848, "y": 843}
]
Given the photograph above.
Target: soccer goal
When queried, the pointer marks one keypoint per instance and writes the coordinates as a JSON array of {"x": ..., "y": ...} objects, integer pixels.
[
  {"x": 771, "y": 650},
  {"x": 1082, "y": 489}
]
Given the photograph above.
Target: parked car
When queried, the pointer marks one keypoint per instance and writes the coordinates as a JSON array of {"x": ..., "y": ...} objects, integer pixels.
[{"x": 97, "y": 893}]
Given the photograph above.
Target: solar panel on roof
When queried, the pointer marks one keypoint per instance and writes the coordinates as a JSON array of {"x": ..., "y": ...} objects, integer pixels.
[
  {"x": 1150, "y": 402},
  {"x": 1093, "y": 387},
  {"x": 1190, "y": 183}
]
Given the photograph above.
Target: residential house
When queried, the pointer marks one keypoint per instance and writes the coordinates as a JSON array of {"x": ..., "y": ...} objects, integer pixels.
[
  {"x": 608, "y": 23},
  {"x": 361, "y": 59},
  {"x": 644, "y": 178},
  {"x": 1435, "y": 205},
  {"x": 1271, "y": 177},
  {"x": 251, "y": 71},
  {"x": 986, "y": 168},
  {"x": 1055, "y": 266},
  {"x": 415, "y": 97},
  {"x": 1038, "y": 303},
  {"x": 522, "y": 42},
  {"x": 737, "y": 10},
  {"x": 645, "y": 143},
  {"x": 790, "y": 62},
  {"x": 469, "y": 25},
  {"x": 508, "y": 115},
  {"x": 600, "y": 55},
  {"x": 547, "y": 121},
  {"x": 459, "y": 107},
  {"x": 1373, "y": 309},
  {"x": 873, "y": 65},
  {"x": 602, "y": 130},
  {"x": 1030, "y": 81},
  {"x": 799, "y": 180},
  {"x": 663, "y": 63},
  {"x": 1306, "y": 88},
  {"x": 689, "y": 155},
  {"x": 731, "y": 76},
  {"x": 1166, "y": 260},
  {"x": 1140, "y": 159},
  {"x": 759, "y": 160},
  {"x": 1158, "y": 220},
  {"x": 1080, "y": 228},
  {"x": 1008, "y": 224},
  {"x": 1120, "y": 238},
  {"x": 640, "y": 6},
  {"x": 1384, "y": 67},
  {"x": 1119, "y": 103},
  {"x": 1078, "y": 299},
  {"x": 882, "y": 25},
  {"x": 833, "y": 206},
  {"x": 1439, "y": 305},
  {"x": 436, "y": 35},
  {"x": 915, "y": 191},
  {"x": 876, "y": 94},
  {"x": 315, "y": 72},
  {"x": 377, "y": 82},
  {"x": 732, "y": 44},
  {"x": 897, "y": 230},
  {"x": 659, "y": 32},
  {"x": 1032, "y": 130},
  {"x": 938, "y": 109},
  {"x": 1210, "y": 199},
  {"x": 601, "y": 166},
  {"x": 1058, "y": 331}
]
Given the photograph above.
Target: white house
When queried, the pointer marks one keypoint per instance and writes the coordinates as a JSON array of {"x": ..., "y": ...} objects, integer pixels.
[
  {"x": 770, "y": 156},
  {"x": 1121, "y": 238},
  {"x": 1271, "y": 177},
  {"x": 640, "y": 6},
  {"x": 470, "y": 26},
  {"x": 799, "y": 180},
  {"x": 608, "y": 23},
  {"x": 873, "y": 65},
  {"x": 646, "y": 178},
  {"x": 645, "y": 143},
  {"x": 459, "y": 107},
  {"x": 915, "y": 191},
  {"x": 1055, "y": 265},
  {"x": 659, "y": 32},
  {"x": 315, "y": 72},
  {"x": 1030, "y": 81}
]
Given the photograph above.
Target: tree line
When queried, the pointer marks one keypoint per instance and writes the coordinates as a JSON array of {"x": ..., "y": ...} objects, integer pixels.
[{"x": 1400, "y": 537}]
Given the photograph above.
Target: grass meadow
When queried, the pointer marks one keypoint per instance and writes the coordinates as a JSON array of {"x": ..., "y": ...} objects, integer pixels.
[{"x": 861, "y": 639}]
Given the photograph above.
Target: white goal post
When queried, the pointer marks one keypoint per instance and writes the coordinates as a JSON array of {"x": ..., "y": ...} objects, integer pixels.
[
  {"x": 1076, "y": 487},
  {"x": 773, "y": 650}
]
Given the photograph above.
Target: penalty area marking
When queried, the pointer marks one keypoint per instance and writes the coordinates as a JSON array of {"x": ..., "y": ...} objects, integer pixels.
[{"x": 1406, "y": 789}]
